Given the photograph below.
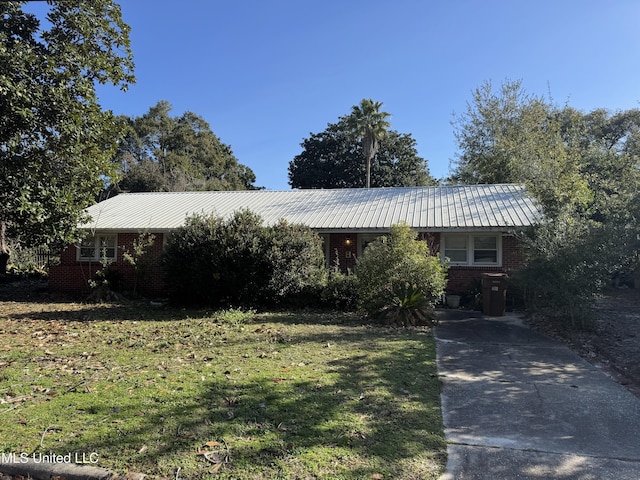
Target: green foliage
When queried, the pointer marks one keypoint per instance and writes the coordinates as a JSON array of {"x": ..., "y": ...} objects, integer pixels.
[
  {"x": 408, "y": 307},
  {"x": 368, "y": 125},
  {"x": 398, "y": 279},
  {"x": 30, "y": 261},
  {"x": 240, "y": 261},
  {"x": 164, "y": 153},
  {"x": 340, "y": 291},
  {"x": 334, "y": 159},
  {"x": 584, "y": 170},
  {"x": 234, "y": 316},
  {"x": 139, "y": 258},
  {"x": 514, "y": 137},
  {"x": 296, "y": 263},
  {"x": 55, "y": 141}
]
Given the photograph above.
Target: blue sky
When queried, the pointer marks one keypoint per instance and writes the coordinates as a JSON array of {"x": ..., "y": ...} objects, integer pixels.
[{"x": 265, "y": 74}]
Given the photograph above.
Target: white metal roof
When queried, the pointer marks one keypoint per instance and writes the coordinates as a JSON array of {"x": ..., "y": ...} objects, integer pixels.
[{"x": 466, "y": 207}]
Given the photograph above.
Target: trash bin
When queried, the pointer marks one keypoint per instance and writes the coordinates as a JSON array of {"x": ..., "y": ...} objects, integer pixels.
[{"x": 494, "y": 293}]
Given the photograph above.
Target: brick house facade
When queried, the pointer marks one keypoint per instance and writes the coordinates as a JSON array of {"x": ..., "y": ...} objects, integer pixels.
[
  {"x": 72, "y": 275},
  {"x": 471, "y": 225}
]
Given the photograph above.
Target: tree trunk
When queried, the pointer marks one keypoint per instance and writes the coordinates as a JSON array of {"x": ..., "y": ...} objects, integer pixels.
[
  {"x": 4, "y": 248},
  {"x": 368, "y": 172}
]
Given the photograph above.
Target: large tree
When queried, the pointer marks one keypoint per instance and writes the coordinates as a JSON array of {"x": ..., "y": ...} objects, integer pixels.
[
  {"x": 369, "y": 125},
  {"x": 165, "y": 153},
  {"x": 583, "y": 168},
  {"x": 511, "y": 136},
  {"x": 56, "y": 143},
  {"x": 333, "y": 159}
]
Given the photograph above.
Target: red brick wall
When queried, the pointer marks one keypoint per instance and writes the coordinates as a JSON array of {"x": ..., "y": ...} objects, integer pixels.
[
  {"x": 459, "y": 277},
  {"x": 73, "y": 276},
  {"x": 346, "y": 245}
]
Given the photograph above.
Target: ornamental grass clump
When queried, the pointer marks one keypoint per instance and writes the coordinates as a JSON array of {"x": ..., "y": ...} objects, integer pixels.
[{"x": 399, "y": 281}]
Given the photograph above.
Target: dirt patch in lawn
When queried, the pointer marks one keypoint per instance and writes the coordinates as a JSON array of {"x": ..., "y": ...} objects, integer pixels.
[{"x": 614, "y": 341}]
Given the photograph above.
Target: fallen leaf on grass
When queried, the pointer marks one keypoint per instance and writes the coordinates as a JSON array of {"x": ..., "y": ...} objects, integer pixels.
[
  {"x": 377, "y": 476},
  {"x": 212, "y": 443},
  {"x": 15, "y": 399}
]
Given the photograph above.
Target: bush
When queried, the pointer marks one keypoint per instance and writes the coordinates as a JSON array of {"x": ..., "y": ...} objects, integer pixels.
[
  {"x": 30, "y": 262},
  {"x": 296, "y": 263},
  {"x": 239, "y": 261},
  {"x": 340, "y": 291},
  {"x": 190, "y": 261},
  {"x": 234, "y": 316},
  {"x": 570, "y": 261},
  {"x": 398, "y": 280},
  {"x": 105, "y": 285}
]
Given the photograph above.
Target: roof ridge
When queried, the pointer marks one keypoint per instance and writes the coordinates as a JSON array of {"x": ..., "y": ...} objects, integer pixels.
[{"x": 308, "y": 190}]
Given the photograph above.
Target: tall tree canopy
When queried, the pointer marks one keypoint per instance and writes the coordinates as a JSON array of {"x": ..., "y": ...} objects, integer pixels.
[
  {"x": 570, "y": 160},
  {"x": 583, "y": 168},
  {"x": 513, "y": 137},
  {"x": 164, "y": 153},
  {"x": 334, "y": 159},
  {"x": 56, "y": 143}
]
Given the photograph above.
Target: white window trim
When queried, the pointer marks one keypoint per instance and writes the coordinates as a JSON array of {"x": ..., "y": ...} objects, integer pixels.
[
  {"x": 470, "y": 249},
  {"x": 97, "y": 254}
]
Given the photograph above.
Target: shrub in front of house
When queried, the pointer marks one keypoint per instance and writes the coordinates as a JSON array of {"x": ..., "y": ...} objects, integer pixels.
[
  {"x": 295, "y": 259},
  {"x": 340, "y": 291},
  {"x": 570, "y": 262},
  {"x": 398, "y": 280},
  {"x": 241, "y": 262}
]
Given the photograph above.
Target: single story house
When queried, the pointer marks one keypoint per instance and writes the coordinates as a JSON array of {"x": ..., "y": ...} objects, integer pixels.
[{"x": 471, "y": 225}]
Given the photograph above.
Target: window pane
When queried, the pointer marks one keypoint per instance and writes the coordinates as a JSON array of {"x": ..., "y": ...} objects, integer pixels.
[
  {"x": 456, "y": 255},
  {"x": 107, "y": 247},
  {"x": 87, "y": 247},
  {"x": 107, "y": 242},
  {"x": 485, "y": 243},
  {"x": 456, "y": 242},
  {"x": 485, "y": 256}
]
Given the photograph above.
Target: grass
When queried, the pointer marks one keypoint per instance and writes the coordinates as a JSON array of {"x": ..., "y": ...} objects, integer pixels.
[{"x": 194, "y": 394}]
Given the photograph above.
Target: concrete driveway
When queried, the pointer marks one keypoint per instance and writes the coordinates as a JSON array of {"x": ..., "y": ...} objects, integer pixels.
[{"x": 519, "y": 405}]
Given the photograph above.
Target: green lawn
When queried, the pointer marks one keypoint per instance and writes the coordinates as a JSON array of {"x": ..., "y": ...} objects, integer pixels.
[{"x": 193, "y": 394}]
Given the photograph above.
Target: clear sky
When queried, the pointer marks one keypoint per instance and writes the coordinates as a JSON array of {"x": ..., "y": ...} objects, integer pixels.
[{"x": 265, "y": 74}]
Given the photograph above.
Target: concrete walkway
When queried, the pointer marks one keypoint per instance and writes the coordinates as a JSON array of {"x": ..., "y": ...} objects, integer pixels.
[{"x": 519, "y": 405}]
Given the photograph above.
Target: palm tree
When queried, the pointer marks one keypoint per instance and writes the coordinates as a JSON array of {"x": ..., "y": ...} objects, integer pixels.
[{"x": 368, "y": 124}]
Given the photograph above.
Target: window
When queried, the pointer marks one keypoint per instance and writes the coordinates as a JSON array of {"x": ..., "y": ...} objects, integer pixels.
[
  {"x": 485, "y": 250},
  {"x": 456, "y": 248},
  {"x": 465, "y": 249},
  {"x": 98, "y": 248}
]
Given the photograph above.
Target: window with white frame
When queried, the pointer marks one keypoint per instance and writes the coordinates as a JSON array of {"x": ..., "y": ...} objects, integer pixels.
[
  {"x": 472, "y": 249},
  {"x": 97, "y": 248}
]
